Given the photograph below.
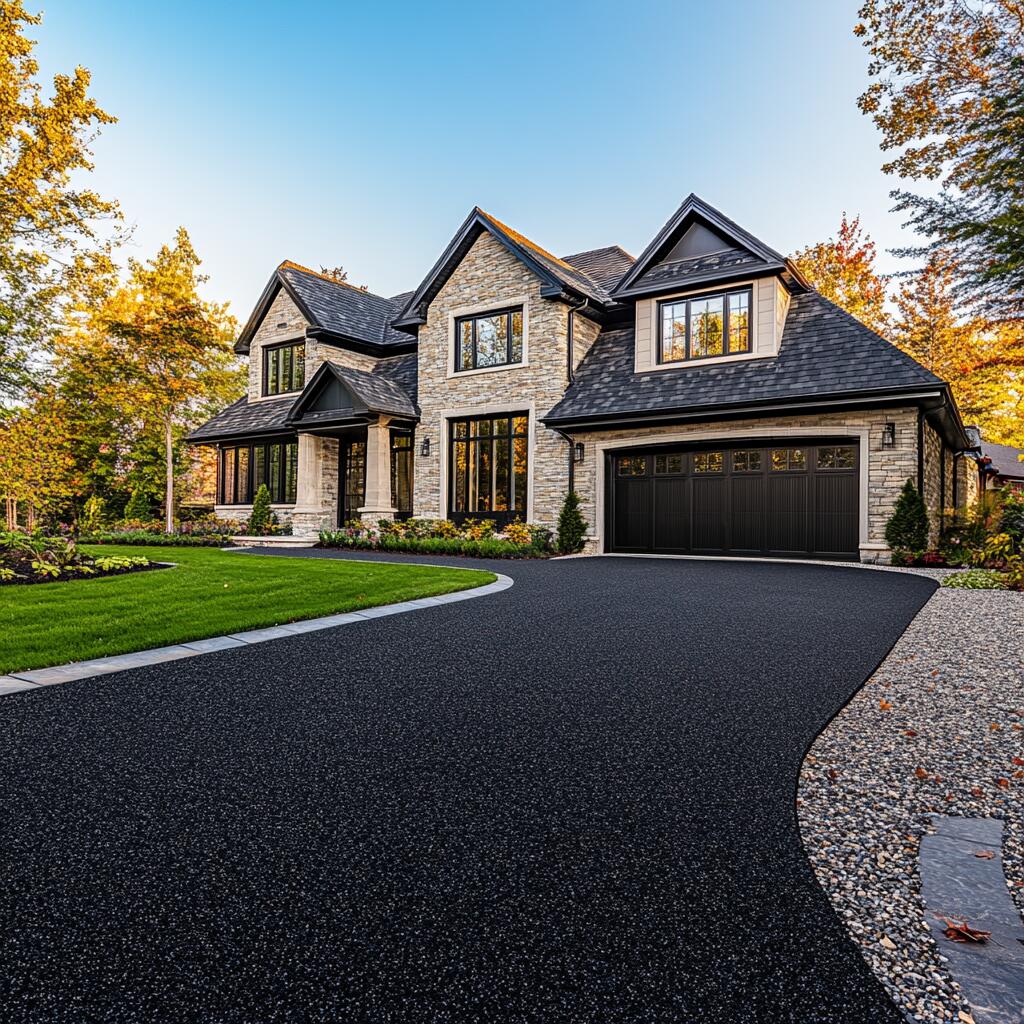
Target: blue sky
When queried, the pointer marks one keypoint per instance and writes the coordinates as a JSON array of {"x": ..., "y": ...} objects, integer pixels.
[{"x": 362, "y": 134}]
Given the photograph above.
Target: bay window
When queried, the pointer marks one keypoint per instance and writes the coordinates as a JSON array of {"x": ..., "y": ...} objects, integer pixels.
[{"x": 242, "y": 468}]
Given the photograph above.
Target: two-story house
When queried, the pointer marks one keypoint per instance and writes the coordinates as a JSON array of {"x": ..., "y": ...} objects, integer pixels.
[{"x": 701, "y": 398}]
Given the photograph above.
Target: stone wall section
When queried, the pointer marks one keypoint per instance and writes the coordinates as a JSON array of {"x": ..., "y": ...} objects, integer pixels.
[
  {"x": 487, "y": 278},
  {"x": 283, "y": 322},
  {"x": 888, "y": 468}
]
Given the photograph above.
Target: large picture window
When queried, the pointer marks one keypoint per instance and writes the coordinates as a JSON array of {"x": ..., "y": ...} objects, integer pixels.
[
  {"x": 705, "y": 326},
  {"x": 242, "y": 468},
  {"x": 401, "y": 472},
  {"x": 489, "y": 468},
  {"x": 489, "y": 339},
  {"x": 284, "y": 368}
]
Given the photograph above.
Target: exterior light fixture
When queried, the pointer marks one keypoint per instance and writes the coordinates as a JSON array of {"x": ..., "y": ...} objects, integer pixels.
[
  {"x": 425, "y": 448},
  {"x": 889, "y": 435},
  {"x": 577, "y": 452}
]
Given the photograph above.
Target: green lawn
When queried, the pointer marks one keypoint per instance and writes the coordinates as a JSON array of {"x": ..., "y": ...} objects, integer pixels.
[{"x": 208, "y": 593}]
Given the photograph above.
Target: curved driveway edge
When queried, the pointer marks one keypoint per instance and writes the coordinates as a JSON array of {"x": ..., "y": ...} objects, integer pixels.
[
  {"x": 15, "y": 682},
  {"x": 574, "y": 801}
]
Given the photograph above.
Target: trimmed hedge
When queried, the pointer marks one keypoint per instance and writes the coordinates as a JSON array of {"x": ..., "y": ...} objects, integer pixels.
[
  {"x": 488, "y": 547},
  {"x": 159, "y": 540}
]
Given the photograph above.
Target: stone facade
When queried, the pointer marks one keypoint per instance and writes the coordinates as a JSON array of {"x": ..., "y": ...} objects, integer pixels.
[
  {"x": 888, "y": 468},
  {"x": 490, "y": 277},
  {"x": 283, "y": 322}
]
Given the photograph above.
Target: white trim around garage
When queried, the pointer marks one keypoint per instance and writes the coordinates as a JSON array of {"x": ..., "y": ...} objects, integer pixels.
[{"x": 732, "y": 434}]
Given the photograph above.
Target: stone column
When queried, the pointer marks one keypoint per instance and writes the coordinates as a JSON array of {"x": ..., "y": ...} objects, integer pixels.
[
  {"x": 308, "y": 515},
  {"x": 377, "y": 500}
]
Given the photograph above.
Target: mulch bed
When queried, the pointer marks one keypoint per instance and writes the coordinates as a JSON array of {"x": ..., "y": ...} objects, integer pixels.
[{"x": 73, "y": 577}]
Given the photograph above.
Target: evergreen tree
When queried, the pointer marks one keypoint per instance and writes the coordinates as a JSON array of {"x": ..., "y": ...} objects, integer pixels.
[
  {"x": 907, "y": 529},
  {"x": 572, "y": 527},
  {"x": 261, "y": 518},
  {"x": 137, "y": 509}
]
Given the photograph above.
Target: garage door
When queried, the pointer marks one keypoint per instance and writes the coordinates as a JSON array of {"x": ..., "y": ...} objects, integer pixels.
[{"x": 756, "y": 499}]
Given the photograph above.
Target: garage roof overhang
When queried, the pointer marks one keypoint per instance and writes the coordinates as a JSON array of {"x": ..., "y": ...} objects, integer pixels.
[{"x": 934, "y": 401}]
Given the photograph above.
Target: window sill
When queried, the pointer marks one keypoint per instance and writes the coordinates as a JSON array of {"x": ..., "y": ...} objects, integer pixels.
[
  {"x": 456, "y": 374},
  {"x": 693, "y": 364}
]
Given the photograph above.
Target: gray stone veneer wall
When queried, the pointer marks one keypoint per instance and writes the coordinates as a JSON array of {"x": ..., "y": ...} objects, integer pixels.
[{"x": 490, "y": 277}]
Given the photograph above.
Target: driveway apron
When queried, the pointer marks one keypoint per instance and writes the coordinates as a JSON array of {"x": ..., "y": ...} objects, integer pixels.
[{"x": 569, "y": 802}]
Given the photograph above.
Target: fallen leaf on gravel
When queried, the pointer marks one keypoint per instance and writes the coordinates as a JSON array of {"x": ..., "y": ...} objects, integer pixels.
[
  {"x": 935, "y": 672},
  {"x": 965, "y": 1018},
  {"x": 1017, "y": 726},
  {"x": 913, "y": 732},
  {"x": 1004, "y": 783},
  {"x": 961, "y": 931},
  {"x": 833, "y": 774},
  {"x": 887, "y": 942},
  {"x": 1018, "y": 774},
  {"x": 984, "y": 854},
  {"x": 1018, "y": 760},
  {"x": 920, "y": 773},
  {"x": 950, "y": 796},
  {"x": 938, "y": 778},
  {"x": 995, "y": 726},
  {"x": 884, "y": 705},
  {"x": 976, "y": 791}
]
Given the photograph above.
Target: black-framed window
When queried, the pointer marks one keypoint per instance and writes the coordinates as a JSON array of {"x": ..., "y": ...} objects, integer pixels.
[
  {"x": 705, "y": 326},
  {"x": 838, "y": 457},
  {"x": 401, "y": 472},
  {"x": 489, "y": 339},
  {"x": 708, "y": 462},
  {"x": 242, "y": 468},
  {"x": 284, "y": 368},
  {"x": 488, "y": 467},
  {"x": 791, "y": 460}
]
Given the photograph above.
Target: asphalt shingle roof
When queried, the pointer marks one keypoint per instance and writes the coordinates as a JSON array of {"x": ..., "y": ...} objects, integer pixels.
[
  {"x": 824, "y": 351},
  {"x": 700, "y": 268},
  {"x": 247, "y": 418},
  {"x": 343, "y": 308},
  {"x": 1005, "y": 459},
  {"x": 604, "y": 266}
]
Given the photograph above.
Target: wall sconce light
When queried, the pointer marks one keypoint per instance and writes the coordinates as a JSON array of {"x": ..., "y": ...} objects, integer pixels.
[
  {"x": 577, "y": 452},
  {"x": 425, "y": 448},
  {"x": 889, "y": 435}
]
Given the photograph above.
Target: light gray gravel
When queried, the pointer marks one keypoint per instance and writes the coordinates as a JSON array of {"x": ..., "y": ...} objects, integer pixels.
[{"x": 937, "y": 728}]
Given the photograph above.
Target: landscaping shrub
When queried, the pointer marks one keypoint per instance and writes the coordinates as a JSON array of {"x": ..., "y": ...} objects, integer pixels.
[
  {"x": 476, "y": 539},
  {"x": 36, "y": 558},
  {"x": 262, "y": 517},
  {"x": 572, "y": 527},
  {"x": 907, "y": 528},
  {"x": 144, "y": 537},
  {"x": 976, "y": 579},
  {"x": 94, "y": 514}
]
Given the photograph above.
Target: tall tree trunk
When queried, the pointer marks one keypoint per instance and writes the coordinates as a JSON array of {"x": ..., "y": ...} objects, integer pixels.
[{"x": 169, "y": 462}]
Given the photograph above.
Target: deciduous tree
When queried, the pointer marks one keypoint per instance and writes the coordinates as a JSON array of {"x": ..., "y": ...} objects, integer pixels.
[
  {"x": 843, "y": 270},
  {"x": 50, "y": 227}
]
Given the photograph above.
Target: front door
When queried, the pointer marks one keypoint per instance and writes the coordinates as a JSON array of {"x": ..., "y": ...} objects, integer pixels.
[{"x": 351, "y": 479}]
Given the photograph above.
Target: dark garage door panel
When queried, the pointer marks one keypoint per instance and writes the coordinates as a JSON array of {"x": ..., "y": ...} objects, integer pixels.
[{"x": 810, "y": 508}]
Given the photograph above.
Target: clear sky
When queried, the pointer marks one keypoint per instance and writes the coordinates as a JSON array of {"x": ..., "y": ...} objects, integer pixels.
[{"x": 361, "y": 134}]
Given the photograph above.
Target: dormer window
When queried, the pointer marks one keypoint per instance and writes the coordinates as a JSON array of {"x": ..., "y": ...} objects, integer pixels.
[
  {"x": 284, "y": 368},
  {"x": 489, "y": 339},
  {"x": 705, "y": 326}
]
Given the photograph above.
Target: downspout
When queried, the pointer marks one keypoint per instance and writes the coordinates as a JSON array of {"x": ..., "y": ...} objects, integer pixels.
[
  {"x": 920, "y": 452},
  {"x": 572, "y": 462}
]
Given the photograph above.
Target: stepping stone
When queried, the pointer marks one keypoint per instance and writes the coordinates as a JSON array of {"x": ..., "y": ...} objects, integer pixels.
[{"x": 955, "y": 883}]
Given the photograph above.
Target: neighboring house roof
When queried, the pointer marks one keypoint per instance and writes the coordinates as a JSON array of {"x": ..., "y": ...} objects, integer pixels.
[
  {"x": 1006, "y": 461},
  {"x": 729, "y": 252},
  {"x": 246, "y": 419},
  {"x": 825, "y": 352},
  {"x": 337, "y": 309},
  {"x": 557, "y": 276}
]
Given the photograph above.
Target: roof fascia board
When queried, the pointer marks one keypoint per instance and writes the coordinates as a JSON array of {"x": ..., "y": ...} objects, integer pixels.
[
  {"x": 370, "y": 348},
  {"x": 746, "y": 273},
  {"x": 693, "y": 206},
  {"x": 885, "y": 396}
]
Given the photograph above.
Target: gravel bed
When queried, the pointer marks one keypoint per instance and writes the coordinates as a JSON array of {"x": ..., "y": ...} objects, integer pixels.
[{"x": 935, "y": 729}]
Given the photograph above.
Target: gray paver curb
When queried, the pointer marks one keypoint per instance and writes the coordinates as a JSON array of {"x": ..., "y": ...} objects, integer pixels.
[{"x": 31, "y": 679}]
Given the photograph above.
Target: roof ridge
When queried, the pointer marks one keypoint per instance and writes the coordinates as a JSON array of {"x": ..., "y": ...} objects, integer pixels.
[
  {"x": 332, "y": 280},
  {"x": 600, "y": 248},
  {"x": 523, "y": 240}
]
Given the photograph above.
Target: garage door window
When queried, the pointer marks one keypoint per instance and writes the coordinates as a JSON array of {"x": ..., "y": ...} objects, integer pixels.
[
  {"x": 668, "y": 464},
  {"x": 837, "y": 458},
  {"x": 707, "y": 462},
  {"x": 632, "y": 465},
  {"x": 746, "y": 461},
  {"x": 788, "y": 459}
]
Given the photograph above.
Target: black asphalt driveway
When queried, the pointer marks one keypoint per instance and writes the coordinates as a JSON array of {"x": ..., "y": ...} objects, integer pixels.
[{"x": 569, "y": 802}]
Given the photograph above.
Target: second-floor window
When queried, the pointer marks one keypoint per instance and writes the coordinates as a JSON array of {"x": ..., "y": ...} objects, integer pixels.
[
  {"x": 705, "y": 326},
  {"x": 489, "y": 339},
  {"x": 284, "y": 368}
]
